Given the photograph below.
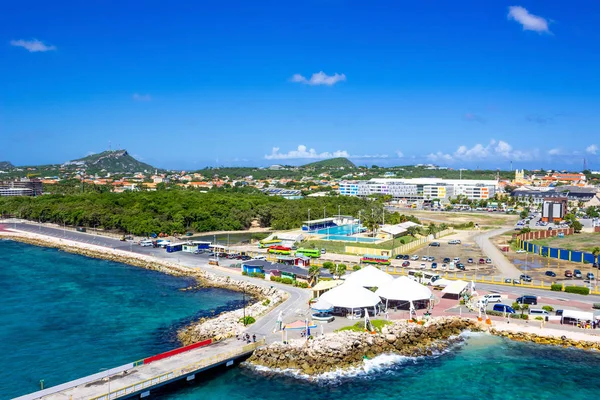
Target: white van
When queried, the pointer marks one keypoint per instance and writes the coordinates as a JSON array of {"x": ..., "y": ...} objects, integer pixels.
[
  {"x": 146, "y": 243},
  {"x": 493, "y": 298},
  {"x": 538, "y": 312}
]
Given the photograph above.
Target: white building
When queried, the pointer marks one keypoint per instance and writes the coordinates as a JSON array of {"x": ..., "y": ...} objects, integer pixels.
[{"x": 414, "y": 189}]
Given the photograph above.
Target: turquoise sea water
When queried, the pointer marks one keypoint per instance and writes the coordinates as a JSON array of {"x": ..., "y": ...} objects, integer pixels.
[
  {"x": 64, "y": 316},
  {"x": 483, "y": 367}
]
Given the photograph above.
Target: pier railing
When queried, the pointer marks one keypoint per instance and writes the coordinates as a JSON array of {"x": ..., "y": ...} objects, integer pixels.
[{"x": 167, "y": 376}]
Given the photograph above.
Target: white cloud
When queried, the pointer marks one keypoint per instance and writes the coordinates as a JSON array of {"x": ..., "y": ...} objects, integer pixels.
[
  {"x": 555, "y": 152},
  {"x": 319, "y": 78},
  {"x": 399, "y": 154},
  {"x": 32, "y": 46},
  {"x": 494, "y": 150},
  {"x": 592, "y": 149},
  {"x": 304, "y": 152},
  {"x": 141, "y": 97},
  {"x": 529, "y": 21}
]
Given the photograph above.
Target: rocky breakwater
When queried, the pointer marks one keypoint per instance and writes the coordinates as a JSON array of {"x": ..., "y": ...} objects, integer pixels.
[
  {"x": 347, "y": 349},
  {"x": 230, "y": 323},
  {"x": 563, "y": 341}
]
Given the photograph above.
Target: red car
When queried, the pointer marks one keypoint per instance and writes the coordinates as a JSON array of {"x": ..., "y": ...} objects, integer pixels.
[
  {"x": 406, "y": 263},
  {"x": 568, "y": 274},
  {"x": 481, "y": 261}
]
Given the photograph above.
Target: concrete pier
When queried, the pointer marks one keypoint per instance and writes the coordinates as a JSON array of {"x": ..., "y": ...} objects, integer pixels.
[{"x": 139, "y": 379}]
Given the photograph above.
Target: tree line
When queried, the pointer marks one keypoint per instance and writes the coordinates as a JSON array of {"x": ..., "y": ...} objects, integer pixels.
[{"x": 179, "y": 211}]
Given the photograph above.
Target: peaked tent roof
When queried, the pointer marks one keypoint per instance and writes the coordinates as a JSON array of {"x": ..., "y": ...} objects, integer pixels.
[
  {"x": 350, "y": 295},
  {"x": 405, "y": 289},
  {"x": 370, "y": 276},
  {"x": 455, "y": 287}
]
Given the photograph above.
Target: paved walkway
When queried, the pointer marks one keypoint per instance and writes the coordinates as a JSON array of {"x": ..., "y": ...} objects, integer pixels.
[{"x": 504, "y": 266}]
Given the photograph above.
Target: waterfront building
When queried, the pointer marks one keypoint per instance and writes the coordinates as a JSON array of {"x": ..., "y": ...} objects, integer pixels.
[{"x": 21, "y": 187}]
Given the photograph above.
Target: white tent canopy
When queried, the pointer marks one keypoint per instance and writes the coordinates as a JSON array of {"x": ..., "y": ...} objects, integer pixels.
[
  {"x": 442, "y": 282},
  {"x": 350, "y": 295},
  {"x": 370, "y": 276},
  {"x": 322, "y": 305},
  {"x": 455, "y": 288},
  {"x": 404, "y": 289}
]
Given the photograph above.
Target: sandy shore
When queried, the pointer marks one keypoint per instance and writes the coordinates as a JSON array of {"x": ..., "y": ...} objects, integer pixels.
[{"x": 585, "y": 335}]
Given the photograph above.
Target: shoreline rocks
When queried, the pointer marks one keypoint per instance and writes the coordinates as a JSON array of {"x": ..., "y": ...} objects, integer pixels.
[
  {"x": 347, "y": 349},
  {"x": 562, "y": 341},
  {"x": 223, "y": 326}
]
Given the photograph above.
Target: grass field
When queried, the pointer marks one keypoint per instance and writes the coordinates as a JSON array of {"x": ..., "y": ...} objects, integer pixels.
[
  {"x": 451, "y": 217},
  {"x": 578, "y": 241},
  {"x": 340, "y": 247}
]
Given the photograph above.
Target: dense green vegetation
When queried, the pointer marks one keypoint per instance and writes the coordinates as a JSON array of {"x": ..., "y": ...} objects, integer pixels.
[
  {"x": 178, "y": 211},
  {"x": 331, "y": 163}
]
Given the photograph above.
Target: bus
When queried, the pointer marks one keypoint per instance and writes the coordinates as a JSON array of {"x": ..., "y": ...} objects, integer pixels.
[
  {"x": 426, "y": 278},
  {"x": 279, "y": 250},
  {"x": 267, "y": 243},
  {"x": 173, "y": 247},
  {"x": 314, "y": 253},
  {"x": 375, "y": 259}
]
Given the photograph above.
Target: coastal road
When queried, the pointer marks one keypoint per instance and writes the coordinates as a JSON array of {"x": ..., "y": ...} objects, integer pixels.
[{"x": 295, "y": 307}]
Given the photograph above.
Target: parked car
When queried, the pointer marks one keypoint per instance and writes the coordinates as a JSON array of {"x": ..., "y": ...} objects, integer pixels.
[
  {"x": 456, "y": 259},
  {"x": 568, "y": 274},
  {"x": 460, "y": 266},
  {"x": 525, "y": 278},
  {"x": 516, "y": 281},
  {"x": 415, "y": 257},
  {"x": 577, "y": 274},
  {"x": 323, "y": 251},
  {"x": 521, "y": 251},
  {"x": 481, "y": 261},
  {"x": 550, "y": 273},
  {"x": 399, "y": 257},
  {"x": 431, "y": 258},
  {"x": 488, "y": 260},
  {"x": 590, "y": 276},
  {"x": 454, "y": 241},
  {"x": 433, "y": 265},
  {"x": 424, "y": 258},
  {"x": 595, "y": 265},
  {"x": 406, "y": 257},
  {"x": 470, "y": 260},
  {"x": 434, "y": 244},
  {"x": 447, "y": 259},
  {"x": 507, "y": 280},
  {"x": 423, "y": 265},
  {"x": 559, "y": 312},
  {"x": 527, "y": 300},
  {"x": 504, "y": 308},
  {"x": 406, "y": 264}
]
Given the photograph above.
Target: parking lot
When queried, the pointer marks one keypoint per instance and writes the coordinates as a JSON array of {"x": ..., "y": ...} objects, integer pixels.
[{"x": 463, "y": 251}]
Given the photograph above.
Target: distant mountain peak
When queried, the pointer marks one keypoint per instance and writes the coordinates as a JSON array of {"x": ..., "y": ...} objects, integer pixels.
[
  {"x": 339, "y": 162},
  {"x": 5, "y": 165},
  {"x": 111, "y": 161}
]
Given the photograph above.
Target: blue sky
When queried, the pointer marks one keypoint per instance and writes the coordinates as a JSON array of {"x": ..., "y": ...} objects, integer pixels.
[{"x": 184, "y": 84}]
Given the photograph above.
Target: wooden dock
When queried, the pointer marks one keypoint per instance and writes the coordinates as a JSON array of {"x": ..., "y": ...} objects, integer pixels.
[{"x": 140, "y": 378}]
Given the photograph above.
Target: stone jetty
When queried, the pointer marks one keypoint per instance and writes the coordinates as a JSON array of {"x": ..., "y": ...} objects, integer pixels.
[{"x": 347, "y": 349}]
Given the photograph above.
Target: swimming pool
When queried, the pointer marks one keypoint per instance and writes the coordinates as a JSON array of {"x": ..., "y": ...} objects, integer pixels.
[
  {"x": 350, "y": 238},
  {"x": 340, "y": 230}
]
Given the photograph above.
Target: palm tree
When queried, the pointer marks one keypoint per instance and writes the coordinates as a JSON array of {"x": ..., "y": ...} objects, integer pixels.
[
  {"x": 596, "y": 252},
  {"x": 412, "y": 230},
  {"x": 431, "y": 229},
  {"x": 340, "y": 270},
  {"x": 443, "y": 227},
  {"x": 314, "y": 272}
]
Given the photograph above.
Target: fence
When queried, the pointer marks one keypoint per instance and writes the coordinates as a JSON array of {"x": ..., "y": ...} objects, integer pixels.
[
  {"x": 402, "y": 249},
  {"x": 557, "y": 253},
  {"x": 534, "y": 235}
]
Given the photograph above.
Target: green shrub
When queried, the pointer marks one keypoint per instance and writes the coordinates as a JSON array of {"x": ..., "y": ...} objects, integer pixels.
[
  {"x": 356, "y": 267},
  {"x": 577, "y": 290},
  {"x": 275, "y": 278},
  {"x": 249, "y": 320},
  {"x": 257, "y": 275},
  {"x": 287, "y": 281},
  {"x": 539, "y": 318},
  {"x": 556, "y": 287},
  {"x": 548, "y": 308},
  {"x": 596, "y": 306},
  {"x": 244, "y": 273},
  {"x": 462, "y": 302},
  {"x": 266, "y": 302},
  {"x": 300, "y": 284},
  {"x": 519, "y": 316}
]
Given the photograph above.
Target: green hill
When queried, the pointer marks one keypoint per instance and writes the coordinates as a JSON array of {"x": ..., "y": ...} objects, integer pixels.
[
  {"x": 332, "y": 163},
  {"x": 5, "y": 165},
  {"x": 111, "y": 161}
]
